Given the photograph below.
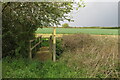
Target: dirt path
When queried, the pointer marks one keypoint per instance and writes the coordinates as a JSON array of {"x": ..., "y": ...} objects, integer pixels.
[{"x": 43, "y": 54}]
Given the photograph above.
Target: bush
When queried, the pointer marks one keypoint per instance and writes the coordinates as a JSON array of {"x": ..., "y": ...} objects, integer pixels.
[
  {"x": 45, "y": 42},
  {"x": 59, "y": 48},
  {"x": 77, "y": 41},
  {"x": 65, "y": 25}
]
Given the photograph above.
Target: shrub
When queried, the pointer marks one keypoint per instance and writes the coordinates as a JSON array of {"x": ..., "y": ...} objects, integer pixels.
[
  {"x": 77, "y": 41},
  {"x": 59, "y": 48},
  {"x": 65, "y": 25}
]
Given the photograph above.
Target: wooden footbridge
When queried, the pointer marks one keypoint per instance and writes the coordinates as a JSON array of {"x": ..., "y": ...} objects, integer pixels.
[{"x": 36, "y": 51}]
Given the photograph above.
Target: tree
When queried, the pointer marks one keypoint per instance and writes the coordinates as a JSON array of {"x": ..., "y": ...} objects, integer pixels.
[
  {"x": 21, "y": 20},
  {"x": 65, "y": 25}
]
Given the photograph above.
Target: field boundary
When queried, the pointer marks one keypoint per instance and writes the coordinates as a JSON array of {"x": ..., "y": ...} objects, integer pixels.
[{"x": 60, "y": 35}]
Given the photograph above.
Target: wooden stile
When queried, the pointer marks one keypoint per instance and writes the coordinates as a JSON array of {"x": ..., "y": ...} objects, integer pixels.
[{"x": 52, "y": 45}]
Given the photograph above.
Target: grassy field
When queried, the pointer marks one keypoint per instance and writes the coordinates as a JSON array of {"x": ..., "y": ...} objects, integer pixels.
[{"x": 78, "y": 30}]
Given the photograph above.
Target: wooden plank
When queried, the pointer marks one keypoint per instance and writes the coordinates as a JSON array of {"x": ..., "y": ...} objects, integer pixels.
[{"x": 36, "y": 45}]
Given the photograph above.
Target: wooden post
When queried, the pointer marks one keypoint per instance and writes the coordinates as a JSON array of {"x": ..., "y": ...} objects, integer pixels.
[
  {"x": 30, "y": 52},
  {"x": 54, "y": 44},
  {"x": 50, "y": 44},
  {"x": 40, "y": 43}
]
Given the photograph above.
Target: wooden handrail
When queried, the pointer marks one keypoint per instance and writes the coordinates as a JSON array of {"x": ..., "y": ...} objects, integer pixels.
[
  {"x": 31, "y": 48},
  {"x": 36, "y": 45}
]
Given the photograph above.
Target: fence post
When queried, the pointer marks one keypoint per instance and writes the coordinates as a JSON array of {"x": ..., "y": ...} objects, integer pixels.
[
  {"x": 50, "y": 44},
  {"x": 41, "y": 41},
  {"x": 54, "y": 44}
]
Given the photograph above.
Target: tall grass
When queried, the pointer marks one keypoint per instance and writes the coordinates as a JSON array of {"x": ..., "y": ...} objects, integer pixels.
[
  {"x": 25, "y": 68},
  {"x": 97, "y": 55},
  {"x": 0, "y": 69}
]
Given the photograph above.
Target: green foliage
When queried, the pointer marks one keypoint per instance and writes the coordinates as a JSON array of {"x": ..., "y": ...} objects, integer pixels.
[
  {"x": 19, "y": 68},
  {"x": 0, "y": 69},
  {"x": 45, "y": 42},
  {"x": 21, "y": 20},
  {"x": 59, "y": 48},
  {"x": 24, "y": 68},
  {"x": 65, "y": 25}
]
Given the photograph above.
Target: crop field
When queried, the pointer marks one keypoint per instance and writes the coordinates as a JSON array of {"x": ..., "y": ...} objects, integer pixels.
[{"x": 78, "y": 30}]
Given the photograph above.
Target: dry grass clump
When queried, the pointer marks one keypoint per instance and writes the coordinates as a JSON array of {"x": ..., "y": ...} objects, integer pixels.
[
  {"x": 77, "y": 41},
  {"x": 97, "y": 56}
]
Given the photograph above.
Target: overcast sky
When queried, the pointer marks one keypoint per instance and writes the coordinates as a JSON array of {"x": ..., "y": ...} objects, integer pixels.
[{"x": 96, "y": 13}]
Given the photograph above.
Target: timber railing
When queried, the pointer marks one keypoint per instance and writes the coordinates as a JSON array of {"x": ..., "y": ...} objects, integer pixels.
[{"x": 34, "y": 44}]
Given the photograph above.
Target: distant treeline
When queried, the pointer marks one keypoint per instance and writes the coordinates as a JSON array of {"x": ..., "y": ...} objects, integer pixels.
[
  {"x": 110, "y": 27},
  {"x": 90, "y": 27},
  {"x": 102, "y": 27}
]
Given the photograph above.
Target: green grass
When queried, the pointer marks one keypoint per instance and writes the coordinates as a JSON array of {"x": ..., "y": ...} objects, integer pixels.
[
  {"x": 0, "y": 69},
  {"x": 25, "y": 68},
  {"x": 78, "y": 30}
]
